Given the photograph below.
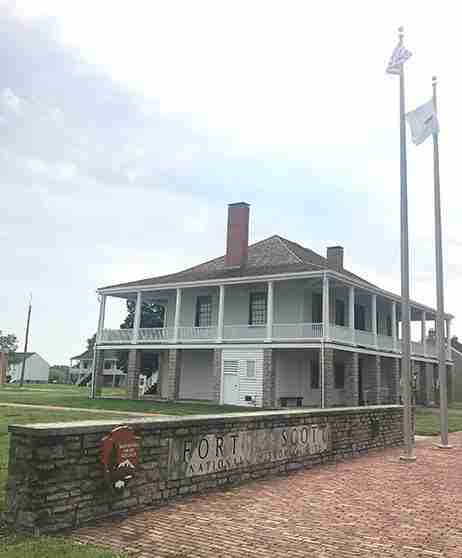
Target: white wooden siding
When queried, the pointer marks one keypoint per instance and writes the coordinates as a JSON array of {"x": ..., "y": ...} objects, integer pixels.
[
  {"x": 37, "y": 369},
  {"x": 248, "y": 386}
]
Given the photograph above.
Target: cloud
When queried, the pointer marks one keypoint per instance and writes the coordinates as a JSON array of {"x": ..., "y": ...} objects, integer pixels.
[{"x": 119, "y": 155}]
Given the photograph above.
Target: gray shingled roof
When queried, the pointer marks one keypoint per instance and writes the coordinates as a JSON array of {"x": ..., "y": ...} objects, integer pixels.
[
  {"x": 16, "y": 358},
  {"x": 270, "y": 256}
]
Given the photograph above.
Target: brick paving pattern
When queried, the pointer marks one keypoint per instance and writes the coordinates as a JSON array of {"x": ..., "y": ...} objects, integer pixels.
[{"x": 372, "y": 506}]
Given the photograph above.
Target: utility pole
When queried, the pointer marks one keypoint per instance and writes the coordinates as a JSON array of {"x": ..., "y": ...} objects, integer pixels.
[{"x": 21, "y": 382}]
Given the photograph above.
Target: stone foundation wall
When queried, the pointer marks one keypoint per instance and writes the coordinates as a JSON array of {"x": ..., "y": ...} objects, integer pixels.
[{"x": 56, "y": 479}]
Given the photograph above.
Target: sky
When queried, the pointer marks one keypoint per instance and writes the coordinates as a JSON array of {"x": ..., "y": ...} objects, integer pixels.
[{"x": 127, "y": 128}]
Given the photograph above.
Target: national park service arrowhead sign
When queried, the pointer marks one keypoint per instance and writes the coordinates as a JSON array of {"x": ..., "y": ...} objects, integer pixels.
[{"x": 120, "y": 455}]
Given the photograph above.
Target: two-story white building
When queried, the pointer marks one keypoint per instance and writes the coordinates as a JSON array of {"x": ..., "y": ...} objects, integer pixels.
[
  {"x": 81, "y": 369},
  {"x": 268, "y": 325}
]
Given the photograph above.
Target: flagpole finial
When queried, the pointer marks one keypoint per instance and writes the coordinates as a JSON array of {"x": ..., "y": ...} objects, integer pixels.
[{"x": 434, "y": 80}]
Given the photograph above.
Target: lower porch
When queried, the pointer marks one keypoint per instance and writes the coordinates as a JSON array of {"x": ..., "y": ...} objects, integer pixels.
[{"x": 273, "y": 378}]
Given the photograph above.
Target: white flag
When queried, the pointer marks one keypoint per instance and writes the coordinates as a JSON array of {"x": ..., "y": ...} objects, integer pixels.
[
  {"x": 398, "y": 58},
  {"x": 423, "y": 122}
]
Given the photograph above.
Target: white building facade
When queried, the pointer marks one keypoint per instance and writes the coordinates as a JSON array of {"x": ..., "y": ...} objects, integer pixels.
[
  {"x": 270, "y": 325},
  {"x": 37, "y": 369}
]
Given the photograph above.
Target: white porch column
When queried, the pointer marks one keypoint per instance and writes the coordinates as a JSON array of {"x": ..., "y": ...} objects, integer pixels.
[
  {"x": 269, "y": 312},
  {"x": 448, "y": 338},
  {"x": 221, "y": 314},
  {"x": 102, "y": 315},
  {"x": 325, "y": 306},
  {"x": 351, "y": 312},
  {"x": 176, "y": 325},
  {"x": 137, "y": 318},
  {"x": 374, "y": 317},
  {"x": 423, "y": 332},
  {"x": 393, "y": 325}
]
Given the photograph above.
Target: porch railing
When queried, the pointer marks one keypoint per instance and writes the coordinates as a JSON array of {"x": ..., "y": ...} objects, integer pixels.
[
  {"x": 147, "y": 334},
  {"x": 237, "y": 332},
  {"x": 280, "y": 332},
  {"x": 117, "y": 335},
  {"x": 297, "y": 331},
  {"x": 190, "y": 333},
  {"x": 342, "y": 333},
  {"x": 365, "y": 338}
]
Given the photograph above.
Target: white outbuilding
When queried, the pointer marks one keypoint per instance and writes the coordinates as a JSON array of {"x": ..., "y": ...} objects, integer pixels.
[{"x": 37, "y": 369}]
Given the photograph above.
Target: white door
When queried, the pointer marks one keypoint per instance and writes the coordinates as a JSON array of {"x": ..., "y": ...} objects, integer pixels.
[{"x": 231, "y": 382}]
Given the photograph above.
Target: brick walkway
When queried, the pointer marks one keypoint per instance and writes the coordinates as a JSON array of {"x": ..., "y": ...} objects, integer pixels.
[{"x": 373, "y": 506}]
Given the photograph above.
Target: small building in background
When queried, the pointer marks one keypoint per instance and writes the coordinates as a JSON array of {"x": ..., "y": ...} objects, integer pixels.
[
  {"x": 37, "y": 369},
  {"x": 82, "y": 367}
]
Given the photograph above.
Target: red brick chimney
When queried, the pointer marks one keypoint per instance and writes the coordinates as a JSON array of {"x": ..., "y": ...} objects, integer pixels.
[
  {"x": 237, "y": 242},
  {"x": 335, "y": 257}
]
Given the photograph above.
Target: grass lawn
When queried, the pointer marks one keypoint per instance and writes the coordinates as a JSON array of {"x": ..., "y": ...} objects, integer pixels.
[
  {"x": 75, "y": 396},
  {"x": 47, "y": 547},
  {"x": 428, "y": 421},
  {"x": 24, "y": 547}
]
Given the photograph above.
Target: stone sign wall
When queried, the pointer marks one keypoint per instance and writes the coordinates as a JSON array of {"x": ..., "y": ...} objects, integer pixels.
[
  {"x": 200, "y": 455},
  {"x": 58, "y": 473}
]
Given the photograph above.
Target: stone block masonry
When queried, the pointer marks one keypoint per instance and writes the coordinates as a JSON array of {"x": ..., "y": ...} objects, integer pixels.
[
  {"x": 56, "y": 478},
  {"x": 173, "y": 371},
  {"x": 269, "y": 379},
  {"x": 133, "y": 373}
]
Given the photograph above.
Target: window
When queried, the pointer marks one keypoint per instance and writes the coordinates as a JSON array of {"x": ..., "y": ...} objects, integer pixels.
[
  {"x": 339, "y": 375},
  {"x": 85, "y": 365},
  {"x": 203, "y": 311},
  {"x": 316, "y": 314},
  {"x": 231, "y": 366},
  {"x": 107, "y": 364},
  {"x": 251, "y": 369},
  {"x": 257, "y": 309},
  {"x": 315, "y": 374},
  {"x": 340, "y": 312},
  {"x": 360, "y": 317}
]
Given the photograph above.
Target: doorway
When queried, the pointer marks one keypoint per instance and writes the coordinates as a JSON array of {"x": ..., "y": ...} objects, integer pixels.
[{"x": 231, "y": 382}]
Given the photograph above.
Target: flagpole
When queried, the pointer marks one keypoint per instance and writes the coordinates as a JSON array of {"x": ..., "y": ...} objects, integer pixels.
[
  {"x": 442, "y": 372},
  {"x": 405, "y": 306},
  {"x": 21, "y": 381}
]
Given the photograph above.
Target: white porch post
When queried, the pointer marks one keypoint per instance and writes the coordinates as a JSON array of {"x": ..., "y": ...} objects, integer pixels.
[
  {"x": 325, "y": 306},
  {"x": 393, "y": 325},
  {"x": 102, "y": 315},
  {"x": 177, "y": 315},
  {"x": 374, "y": 317},
  {"x": 423, "y": 332},
  {"x": 137, "y": 318},
  {"x": 270, "y": 312},
  {"x": 351, "y": 312},
  {"x": 221, "y": 314}
]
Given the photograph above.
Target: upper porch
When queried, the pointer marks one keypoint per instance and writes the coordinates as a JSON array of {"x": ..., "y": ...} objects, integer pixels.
[{"x": 318, "y": 307}]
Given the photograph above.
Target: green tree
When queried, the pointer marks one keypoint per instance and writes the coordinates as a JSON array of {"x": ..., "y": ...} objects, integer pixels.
[
  {"x": 91, "y": 343},
  {"x": 8, "y": 342},
  {"x": 152, "y": 315}
]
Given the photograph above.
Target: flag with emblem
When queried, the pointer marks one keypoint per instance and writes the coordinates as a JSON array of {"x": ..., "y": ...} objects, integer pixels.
[{"x": 423, "y": 122}]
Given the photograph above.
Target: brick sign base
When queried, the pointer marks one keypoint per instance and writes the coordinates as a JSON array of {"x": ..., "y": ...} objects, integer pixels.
[{"x": 57, "y": 479}]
